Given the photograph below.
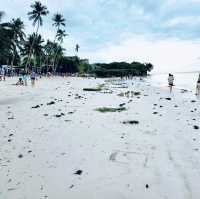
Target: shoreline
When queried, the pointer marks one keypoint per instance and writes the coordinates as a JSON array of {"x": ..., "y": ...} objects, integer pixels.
[{"x": 182, "y": 81}]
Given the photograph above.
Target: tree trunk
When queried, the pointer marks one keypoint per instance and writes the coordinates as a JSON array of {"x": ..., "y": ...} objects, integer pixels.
[
  {"x": 14, "y": 52},
  {"x": 13, "y": 58},
  {"x": 54, "y": 60},
  {"x": 47, "y": 59},
  {"x": 30, "y": 52}
]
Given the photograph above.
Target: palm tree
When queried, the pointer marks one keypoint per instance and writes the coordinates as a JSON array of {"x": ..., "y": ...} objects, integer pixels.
[
  {"x": 33, "y": 43},
  {"x": 11, "y": 37},
  {"x": 60, "y": 37},
  {"x": 38, "y": 51},
  {"x": 38, "y": 11},
  {"x": 16, "y": 27},
  {"x": 59, "y": 55},
  {"x": 5, "y": 45},
  {"x": 58, "y": 21},
  {"x": 28, "y": 45},
  {"x": 48, "y": 52},
  {"x": 1, "y": 26},
  {"x": 77, "y": 48}
]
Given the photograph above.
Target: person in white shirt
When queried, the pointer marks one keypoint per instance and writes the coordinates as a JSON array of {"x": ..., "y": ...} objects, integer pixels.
[{"x": 170, "y": 81}]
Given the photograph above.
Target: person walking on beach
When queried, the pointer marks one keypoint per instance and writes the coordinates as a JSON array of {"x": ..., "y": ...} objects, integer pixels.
[
  {"x": 198, "y": 86},
  {"x": 33, "y": 78},
  {"x": 170, "y": 81}
]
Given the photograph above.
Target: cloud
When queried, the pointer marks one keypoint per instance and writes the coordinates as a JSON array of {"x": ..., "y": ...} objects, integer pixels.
[
  {"x": 183, "y": 20},
  {"x": 166, "y": 55}
]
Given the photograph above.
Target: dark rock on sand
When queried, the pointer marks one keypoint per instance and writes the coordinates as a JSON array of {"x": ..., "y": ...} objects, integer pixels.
[
  {"x": 184, "y": 90},
  {"x": 78, "y": 172},
  {"x": 196, "y": 127},
  {"x": 71, "y": 186},
  {"x": 11, "y": 118},
  {"x": 67, "y": 120},
  {"x": 20, "y": 156},
  {"x": 37, "y": 106},
  {"x": 131, "y": 122},
  {"x": 51, "y": 103},
  {"x": 136, "y": 93},
  {"x": 70, "y": 112},
  {"x": 59, "y": 115}
]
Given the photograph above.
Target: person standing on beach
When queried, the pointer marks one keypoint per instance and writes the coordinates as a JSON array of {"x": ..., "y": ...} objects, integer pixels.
[
  {"x": 198, "y": 86},
  {"x": 33, "y": 78},
  {"x": 170, "y": 81},
  {"x": 2, "y": 74},
  {"x": 24, "y": 77}
]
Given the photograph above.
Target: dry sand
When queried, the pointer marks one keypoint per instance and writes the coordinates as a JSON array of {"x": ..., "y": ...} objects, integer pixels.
[{"x": 68, "y": 150}]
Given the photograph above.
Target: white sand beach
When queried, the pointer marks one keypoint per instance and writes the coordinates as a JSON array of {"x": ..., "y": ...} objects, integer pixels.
[{"x": 55, "y": 145}]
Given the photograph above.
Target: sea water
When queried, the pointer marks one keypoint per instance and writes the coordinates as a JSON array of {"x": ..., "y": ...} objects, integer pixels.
[{"x": 181, "y": 80}]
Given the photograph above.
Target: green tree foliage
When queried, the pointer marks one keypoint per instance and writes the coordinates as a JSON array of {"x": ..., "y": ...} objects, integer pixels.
[
  {"x": 120, "y": 69},
  {"x": 33, "y": 43},
  {"x": 69, "y": 64},
  {"x": 11, "y": 40},
  {"x": 38, "y": 11},
  {"x": 33, "y": 51},
  {"x": 16, "y": 27},
  {"x": 58, "y": 20}
]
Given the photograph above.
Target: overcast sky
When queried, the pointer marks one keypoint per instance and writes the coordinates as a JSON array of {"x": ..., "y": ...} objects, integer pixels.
[{"x": 163, "y": 32}]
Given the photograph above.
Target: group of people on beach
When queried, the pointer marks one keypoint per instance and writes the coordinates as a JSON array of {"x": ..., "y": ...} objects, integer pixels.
[
  {"x": 24, "y": 76},
  {"x": 171, "y": 83},
  {"x": 23, "y": 79}
]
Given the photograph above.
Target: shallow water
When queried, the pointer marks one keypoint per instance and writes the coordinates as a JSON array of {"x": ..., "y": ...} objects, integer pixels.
[{"x": 181, "y": 80}]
